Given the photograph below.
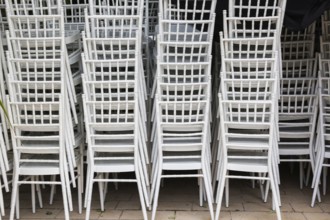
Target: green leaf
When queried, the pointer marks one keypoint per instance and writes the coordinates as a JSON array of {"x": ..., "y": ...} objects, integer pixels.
[{"x": 4, "y": 110}]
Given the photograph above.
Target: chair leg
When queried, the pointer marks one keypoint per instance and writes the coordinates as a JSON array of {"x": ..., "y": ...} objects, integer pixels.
[
  {"x": 64, "y": 195},
  {"x": 261, "y": 185},
  {"x": 227, "y": 192},
  {"x": 325, "y": 174},
  {"x": 2, "y": 207},
  {"x": 88, "y": 198},
  {"x": 200, "y": 190},
  {"x": 33, "y": 195},
  {"x": 17, "y": 204},
  {"x": 274, "y": 195},
  {"x": 316, "y": 186},
  {"x": 142, "y": 200},
  {"x": 266, "y": 191},
  {"x": 309, "y": 169},
  {"x": 221, "y": 188},
  {"x": 39, "y": 195},
  {"x": 101, "y": 192},
  {"x": 88, "y": 178},
  {"x": 156, "y": 195},
  {"x": 145, "y": 186},
  {"x": 301, "y": 175},
  {"x": 153, "y": 188},
  {"x": 14, "y": 194},
  {"x": 80, "y": 187},
  {"x": 52, "y": 190},
  {"x": 209, "y": 193}
]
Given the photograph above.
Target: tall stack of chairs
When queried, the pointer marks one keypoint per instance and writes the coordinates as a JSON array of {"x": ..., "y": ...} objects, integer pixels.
[
  {"x": 181, "y": 131},
  {"x": 41, "y": 102},
  {"x": 115, "y": 98},
  {"x": 249, "y": 92}
]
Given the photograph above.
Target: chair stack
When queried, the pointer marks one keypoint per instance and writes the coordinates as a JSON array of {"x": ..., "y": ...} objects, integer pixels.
[
  {"x": 3, "y": 69},
  {"x": 322, "y": 138},
  {"x": 4, "y": 161},
  {"x": 41, "y": 102},
  {"x": 250, "y": 56},
  {"x": 115, "y": 98},
  {"x": 181, "y": 115},
  {"x": 298, "y": 104}
]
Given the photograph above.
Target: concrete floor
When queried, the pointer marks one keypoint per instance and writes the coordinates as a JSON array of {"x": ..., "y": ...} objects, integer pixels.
[{"x": 179, "y": 201}]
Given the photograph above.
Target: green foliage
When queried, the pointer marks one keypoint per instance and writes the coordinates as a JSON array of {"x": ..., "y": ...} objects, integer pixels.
[{"x": 2, "y": 107}]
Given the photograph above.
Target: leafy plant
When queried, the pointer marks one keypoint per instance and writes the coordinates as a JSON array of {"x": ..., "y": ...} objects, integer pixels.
[{"x": 2, "y": 106}]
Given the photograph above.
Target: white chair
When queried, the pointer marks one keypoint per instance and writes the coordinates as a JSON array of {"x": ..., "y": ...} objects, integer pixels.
[
  {"x": 322, "y": 153},
  {"x": 247, "y": 145},
  {"x": 113, "y": 146},
  {"x": 182, "y": 142},
  {"x": 297, "y": 121},
  {"x": 46, "y": 149}
]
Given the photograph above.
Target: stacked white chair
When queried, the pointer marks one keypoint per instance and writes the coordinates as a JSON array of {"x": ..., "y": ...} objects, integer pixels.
[
  {"x": 249, "y": 90},
  {"x": 74, "y": 14},
  {"x": 4, "y": 69},
  {"x": 322, "y": 134},
  {"x": 298, "y": 100},
  {"x": 181, "y": 131},
  {"x": 41, "y": 102},
  {"x": 114, "y": 98},
  {"x": 5, "y": 163}
]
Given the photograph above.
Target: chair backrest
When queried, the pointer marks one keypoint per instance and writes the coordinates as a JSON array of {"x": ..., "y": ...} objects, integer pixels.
[
  {"x": 249, "y": 68},
  {"x": 301, "y": 35},
  {"x": 298, "y": 86},
  {"x": 249, "y": 90},
  {"x": 185, "y": 113},
  {"x": 180, "y": 92},
  {"x": 152, "y": 16},
  {"x": 186, "y": 31},
  {"x": 196, "y": 72},
  {"x": 251, "y": 27},
  {"x": 244, "y": 121},
  {"x": 36, "y": 48},
  {"x": 120, "y": 70},
  {"x": 34, "y": 7},
  {"x": 297, "y": 104},
  {"x": 187, "y": 9},
  {"x": 114, "y": 121},
  {"x": 109, "y": 91},
  {"x": 121, "y": 26},
  {"x": 325, "y": 48},
  {"x": 298, "y": 49},
  {"x": 178, "y": 52},
  {"x": 110, "y": 49},
  {"x": 114, "y": 7},
  {"x": 36, "y": 127},
  {"x": 43, "y": 26},
  {"x": 245, "y": 48},
  {"x": 74, "y": 11},
  {"x": 304, "y": 68},
  {"x": 3, "y": 17},
  {"x": 250, "y": 8}
]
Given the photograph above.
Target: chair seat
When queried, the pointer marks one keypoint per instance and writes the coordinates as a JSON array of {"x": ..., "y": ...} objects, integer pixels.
[
  {"x": 248, "y": 165},
  {"x": 182, "y": 164},
  {"x": 248, "y": 143},
  {"x": 39, "y": 168},
  {"x": 294, "y": 148},
  {"x": 114, "y": 166},
  {"x": 108, "y": 145},
  {"x": 182, "y": 144}
]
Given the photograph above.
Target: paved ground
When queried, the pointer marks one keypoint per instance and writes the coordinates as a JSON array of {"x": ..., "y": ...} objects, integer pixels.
[{"x": 179, "y": 201}]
